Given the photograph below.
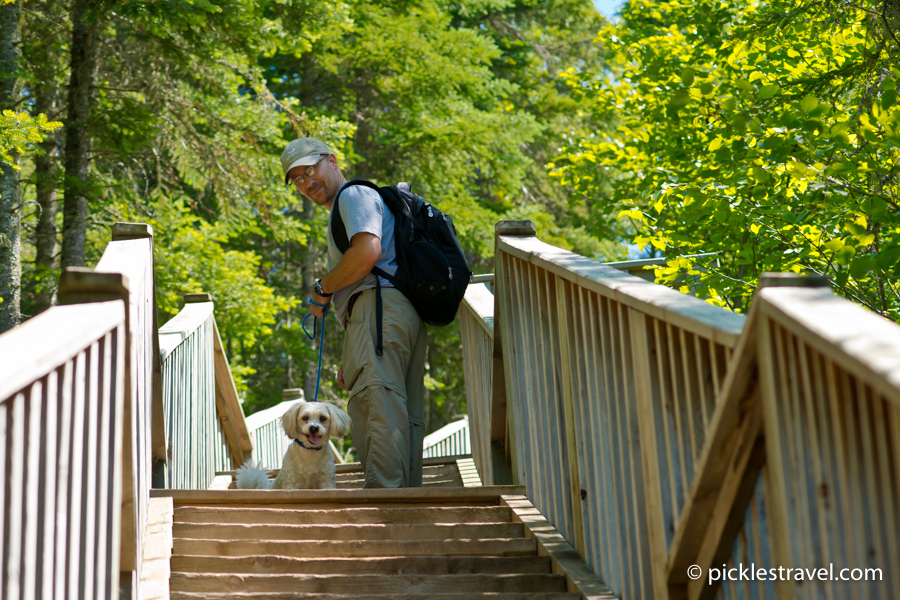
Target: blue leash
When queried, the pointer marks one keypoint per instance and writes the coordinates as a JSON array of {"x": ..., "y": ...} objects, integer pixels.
[{"x": 313, "y": 336}]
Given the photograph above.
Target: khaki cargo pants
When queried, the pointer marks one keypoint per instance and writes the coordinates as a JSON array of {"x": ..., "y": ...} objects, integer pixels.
[{"x": 387, "y": 393}]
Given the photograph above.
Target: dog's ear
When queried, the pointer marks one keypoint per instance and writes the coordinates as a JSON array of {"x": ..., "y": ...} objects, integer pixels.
[
  {"x": 289, "y": 421},
  {"x": 340, "y": 420}
]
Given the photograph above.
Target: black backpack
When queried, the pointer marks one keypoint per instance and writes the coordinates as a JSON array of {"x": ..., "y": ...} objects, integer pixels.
[{"x": 432, "y": 271}]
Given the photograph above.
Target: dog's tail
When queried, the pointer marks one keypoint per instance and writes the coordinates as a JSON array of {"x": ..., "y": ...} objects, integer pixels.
[{"x": 252, "y": 476}]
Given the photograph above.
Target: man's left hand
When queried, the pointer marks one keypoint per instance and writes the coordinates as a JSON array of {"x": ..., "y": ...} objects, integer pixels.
[{"x": 318, "y": 311}]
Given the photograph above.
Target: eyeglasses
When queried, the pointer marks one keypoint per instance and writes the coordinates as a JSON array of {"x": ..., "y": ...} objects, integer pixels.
[{"x": 301, "y": 179}]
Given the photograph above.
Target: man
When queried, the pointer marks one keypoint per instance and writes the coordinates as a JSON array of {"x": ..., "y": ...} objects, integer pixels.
[{"x": 387, "y": 392}]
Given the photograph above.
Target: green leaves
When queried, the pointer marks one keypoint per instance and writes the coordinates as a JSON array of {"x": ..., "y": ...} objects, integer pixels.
[
  {"x": 20, "y": 133},
  {"x": 794, "y": 149}
]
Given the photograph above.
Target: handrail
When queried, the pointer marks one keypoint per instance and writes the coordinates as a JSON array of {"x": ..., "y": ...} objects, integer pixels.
[
  {"x": 477, "y": 327},
  {"x": 688, "y": 435},
  {"x": 203, "y": 435},
  {"x": 61, "y": 414},
  {"x": 450, "y": 440},
  {"x": 82, "y": 417}
]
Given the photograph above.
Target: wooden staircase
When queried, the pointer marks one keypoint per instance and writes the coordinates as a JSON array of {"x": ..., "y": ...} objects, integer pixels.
[{"x": 414, "y": 544}]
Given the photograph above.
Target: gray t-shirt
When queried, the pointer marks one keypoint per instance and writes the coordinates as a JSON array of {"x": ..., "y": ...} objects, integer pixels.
[{"x": 362, "y": 210}]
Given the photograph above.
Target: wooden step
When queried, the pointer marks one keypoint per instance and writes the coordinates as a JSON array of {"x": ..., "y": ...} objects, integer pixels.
[
  {"x": 475, "y": 547},
  {"x": 442, "y": 475},
  {"x": 405, "y": 531},
  {"x": 368, "y": 584},
  {"x": 381, "y": 498},
  {"x": 391, "y": 596},
  {"x": 387, "y": 516},
  {"x": 394, "y": 565}
]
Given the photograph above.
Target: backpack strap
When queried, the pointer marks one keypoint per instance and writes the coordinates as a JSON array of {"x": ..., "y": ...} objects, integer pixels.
[
  {"x": 339, "y": 235},
  {"x": 338, "y": 229}
]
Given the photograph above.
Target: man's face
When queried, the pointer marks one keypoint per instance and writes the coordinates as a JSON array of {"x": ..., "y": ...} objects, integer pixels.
[{"x": 321, "y": 185}]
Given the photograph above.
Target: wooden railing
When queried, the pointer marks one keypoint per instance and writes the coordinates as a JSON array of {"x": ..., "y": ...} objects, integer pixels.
[
  {"x": 80, "y": 392},
  {"x": 204, "y": 423},
  {"x": 633, "y": 415},
  {"x": 452, "y": 439},
  {"x": 84, "y": 424},
  {"x": 62, "y": 397}
]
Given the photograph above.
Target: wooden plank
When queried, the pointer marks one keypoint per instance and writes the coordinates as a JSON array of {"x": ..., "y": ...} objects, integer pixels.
[
  {"x": 180, "y": 327},
  {"x": 356, "y": 548},
  {"x": 646, "y": 415},
  {"x": 501, "y": 433},
  {"x": 605, "y": 392},
  {"x": 89, "y": 457},
  {"x": 348, "y": 531},
  {"x": 441, "y": 468},
  {"x": 130, "y": 231},
  {"x": 505, "y": 420},
  {"x": 375, "y": 496},
  {"x": 48, "y": 469},
  {"x": 17, "y": 446},
  {"x": 634, "y": 491},
  {"x": 682, "y": 310},
  {"x": 860, "y": 341},
  {"x": 357, "y": 596},
  {"x": 564, "y": 560},
  {"x": 480, "y": 301},
  {"x": 370, "y": 584},
  {"x": 63, "y": 466},
  {"x": 233, "y": 418},
  {"x": 387, "y": 565},
  {"x": 771, "y": 398},
  {"x": 664, "y": 422},
  {"x": 745, "y": 461},
  {"x": 476, "y": 514},
  {"x": 574, "y": 445},
  {"x": 712, "y": 464},
  {"x": 25, "y": 355}
]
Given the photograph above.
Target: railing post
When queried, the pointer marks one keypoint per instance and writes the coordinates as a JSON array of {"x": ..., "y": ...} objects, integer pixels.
[
  {"x": 770, "y": 397},
  {"x": 135, "y": 231},
  {"x": 503, "y": 457},
  {"x": 80, "y": 285}
]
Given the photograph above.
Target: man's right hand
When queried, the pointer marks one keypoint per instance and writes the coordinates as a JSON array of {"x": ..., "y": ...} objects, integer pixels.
[
  {"x": 318, "y": 311},
  {"x": 341, "y": 377}
]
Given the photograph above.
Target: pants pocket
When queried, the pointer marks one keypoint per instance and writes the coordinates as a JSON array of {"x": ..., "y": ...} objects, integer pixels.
[{"x": 356, "y": 352}]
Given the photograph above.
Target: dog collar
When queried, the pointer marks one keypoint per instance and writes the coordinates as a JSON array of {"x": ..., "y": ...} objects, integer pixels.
[{"x": 302, "y": 445}]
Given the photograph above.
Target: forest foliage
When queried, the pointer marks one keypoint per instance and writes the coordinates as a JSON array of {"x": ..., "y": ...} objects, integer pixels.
[
  {"x": 766, "y": 133},
  {"x": 192, "y": 102}
]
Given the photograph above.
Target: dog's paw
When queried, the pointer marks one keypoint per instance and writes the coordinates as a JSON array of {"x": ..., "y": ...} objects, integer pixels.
[{"x": 252, "y": 476}]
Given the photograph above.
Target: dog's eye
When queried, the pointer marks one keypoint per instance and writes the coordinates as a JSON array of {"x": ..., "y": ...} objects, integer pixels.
[
  {"x": 323, "y": 419},
  {"x": 306, "y": 418}
]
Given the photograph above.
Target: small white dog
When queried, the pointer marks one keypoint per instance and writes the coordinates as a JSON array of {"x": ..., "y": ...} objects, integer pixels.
[{"x": 308, "y": 464}]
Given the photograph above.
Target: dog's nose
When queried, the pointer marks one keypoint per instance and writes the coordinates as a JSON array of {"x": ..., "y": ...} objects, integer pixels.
[{"x": 313, "y": 428}]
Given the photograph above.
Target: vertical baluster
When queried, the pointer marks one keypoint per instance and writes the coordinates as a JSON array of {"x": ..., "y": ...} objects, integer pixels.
[{"x": 17, "y": 431}]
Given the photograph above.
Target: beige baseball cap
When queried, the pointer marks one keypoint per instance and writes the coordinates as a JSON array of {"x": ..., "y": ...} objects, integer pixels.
[{"x": 302, "y": 152}]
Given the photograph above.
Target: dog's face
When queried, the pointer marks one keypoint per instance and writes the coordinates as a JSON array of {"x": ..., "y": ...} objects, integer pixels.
[{"x": 315, "y": 422}]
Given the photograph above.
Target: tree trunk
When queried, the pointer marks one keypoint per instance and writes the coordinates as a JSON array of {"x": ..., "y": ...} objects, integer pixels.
[
  {"x": 10, "y": 267},
  {"x": 83, "y": 65},
  {"x": 45, "y": 232}
]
